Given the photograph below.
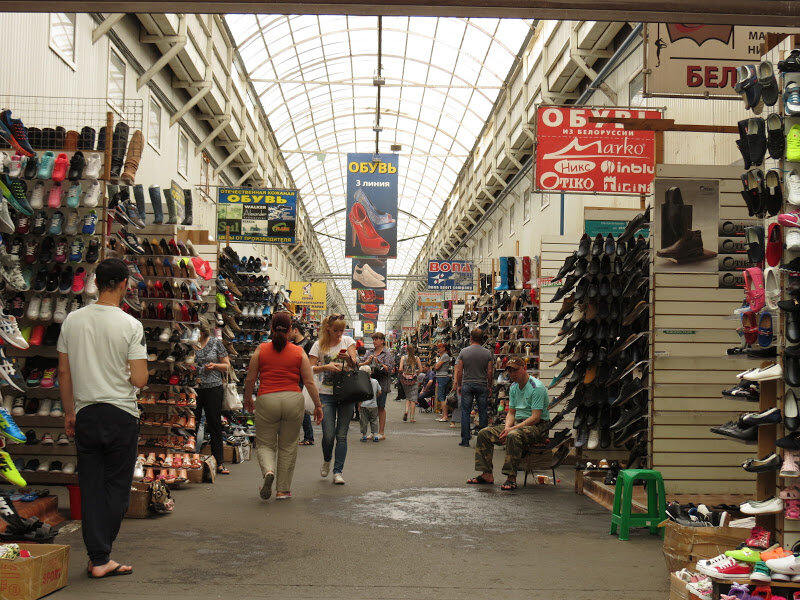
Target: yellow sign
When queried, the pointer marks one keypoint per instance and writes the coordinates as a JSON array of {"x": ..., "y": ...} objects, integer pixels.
[
  {"x": 308, "y": 293},
  {"x": 368, "y": 327}
]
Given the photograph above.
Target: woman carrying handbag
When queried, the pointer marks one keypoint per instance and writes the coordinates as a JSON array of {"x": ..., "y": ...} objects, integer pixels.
[
  {"x": 410, "y": 368},
  {"x": 280, "y": 367},
  {"x": 212, "y": 361},
  {"x": 329, "y": 355}
]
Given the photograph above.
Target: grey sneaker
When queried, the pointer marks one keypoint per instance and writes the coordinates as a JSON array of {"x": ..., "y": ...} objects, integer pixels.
[
  {"x": 326, "y": 468},
  {"x": 6, "y": 222},
  {"x": 10, "y": 271}
]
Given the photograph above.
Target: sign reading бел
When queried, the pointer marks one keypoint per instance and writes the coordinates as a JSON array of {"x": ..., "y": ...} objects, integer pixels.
[
  {"x": 575, "y": 155},
  {"x": 262, "y": 216}
]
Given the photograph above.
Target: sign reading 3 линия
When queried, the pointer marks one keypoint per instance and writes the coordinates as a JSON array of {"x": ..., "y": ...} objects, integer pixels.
[{"x": 264, "y": 216}]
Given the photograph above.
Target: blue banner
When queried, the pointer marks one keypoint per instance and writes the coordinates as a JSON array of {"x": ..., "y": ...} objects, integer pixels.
[
  {"x": 261, "y": 216},
  {"x": 372, "y": 184},
  {"x": 451, "y": 275}
]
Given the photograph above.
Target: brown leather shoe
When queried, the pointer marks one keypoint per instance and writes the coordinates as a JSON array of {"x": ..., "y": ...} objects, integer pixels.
[
  {"x": 690, "y": 245},
  {"x": 133, "y": 157},
  {"x": 71, "y": 141},
  {"x": 566, "y": 306}
]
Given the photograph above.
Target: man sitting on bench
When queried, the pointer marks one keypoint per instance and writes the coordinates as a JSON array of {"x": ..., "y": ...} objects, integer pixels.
[{"x": 526, "y": 422}]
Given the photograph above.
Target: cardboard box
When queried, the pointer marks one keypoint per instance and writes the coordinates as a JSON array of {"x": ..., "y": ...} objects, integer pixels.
[
  {"x": 677, "y": 588},
  {"x": 139, "y": 507},
  {"x": 684, "y": 546},
  {"x": 228, "y": 454},
  {"x": 32, "y": 578},
  {"x": 207, "y": 473}
]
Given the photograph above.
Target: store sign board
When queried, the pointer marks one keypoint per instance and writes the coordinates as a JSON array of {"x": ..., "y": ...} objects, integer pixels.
[
  {"x": 371, "y": 296},
  {"x": 451, "y": 275},
  {"x": 261, "y": 216},
  {"x": 429, "y": 300},
  {"x": 349, "y": 333},
  {"x": 604, "y": 227},
  {"x": 372, "y": 190},
  {"x": 368, "y": 327},
  {"x": 692, "y": 60},
  {"x": 368, "y": 274},
  {"x": 574, "y": 155},
  {"x": 312, "y": 294}
]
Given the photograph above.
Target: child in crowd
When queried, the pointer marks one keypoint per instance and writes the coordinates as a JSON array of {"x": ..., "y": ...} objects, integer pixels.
[{"x": 368, "y": 411}]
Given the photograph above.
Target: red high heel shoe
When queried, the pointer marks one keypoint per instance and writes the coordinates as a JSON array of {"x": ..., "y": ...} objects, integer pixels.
[{"x": 364, "y": 232}]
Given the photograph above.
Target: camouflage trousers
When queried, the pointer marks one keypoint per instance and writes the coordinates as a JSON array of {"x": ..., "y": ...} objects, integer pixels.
[{"x": 517, "y": 443}]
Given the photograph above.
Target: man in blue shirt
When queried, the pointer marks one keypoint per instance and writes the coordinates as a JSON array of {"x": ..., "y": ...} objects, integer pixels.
[{"x": 526, "y": 421}]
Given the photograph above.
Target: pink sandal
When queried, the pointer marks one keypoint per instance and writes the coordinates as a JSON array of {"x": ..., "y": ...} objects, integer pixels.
[
  {"x": 754, "y": 286},
  {"x": 792, "y": 510},
  {"x": 790, "y": 493}
]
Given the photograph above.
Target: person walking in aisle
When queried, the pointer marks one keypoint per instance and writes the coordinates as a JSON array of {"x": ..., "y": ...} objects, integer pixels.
[
  {"x": 299, "y": 338},
  {"x": 212, "y": 361},
  {"x": 410, "y": 368},
  {"x": 442, "y": 370},
  {"x": 368, "y": 410},
  {"x": 329, "y": 355},
  {"x": 279, "y": 408},
  {"x": 102, "y": 359},
  {"x": 382, "y": 361},
  {"x": 473, "y": 375}
]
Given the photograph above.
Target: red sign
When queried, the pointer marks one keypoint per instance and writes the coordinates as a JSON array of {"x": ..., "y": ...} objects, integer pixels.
[{"x": 574, "y": 155}]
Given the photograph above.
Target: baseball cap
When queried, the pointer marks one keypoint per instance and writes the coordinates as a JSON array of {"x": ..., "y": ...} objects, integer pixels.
[{"x": 515, "y": 363}]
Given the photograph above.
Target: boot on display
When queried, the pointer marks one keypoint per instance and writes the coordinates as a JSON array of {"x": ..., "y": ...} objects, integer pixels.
[
  {"x": 119, "y": 143},
  {"x": 134, "y": 156},
  {"x": 187, "y": 200},
  {"x": 155, "y": 200},
  {"x": 503, "y": 274},
  {"x": 173, "y": 213}
]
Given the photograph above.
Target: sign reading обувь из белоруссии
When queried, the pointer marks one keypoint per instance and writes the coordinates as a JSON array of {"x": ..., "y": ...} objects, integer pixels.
[{"x": 265, "y": 216}]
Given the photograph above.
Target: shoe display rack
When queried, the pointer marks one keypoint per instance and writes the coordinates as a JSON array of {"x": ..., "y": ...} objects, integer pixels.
[
  {"x": 53, "y": 236},
  {"x": 604, "y": 310}
]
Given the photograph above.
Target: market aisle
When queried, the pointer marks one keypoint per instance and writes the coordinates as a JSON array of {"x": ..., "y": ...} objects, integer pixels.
[{"x": 404, "y": 526}]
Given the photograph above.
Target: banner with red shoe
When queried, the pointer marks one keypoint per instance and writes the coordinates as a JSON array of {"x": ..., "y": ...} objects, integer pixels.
[
  {"x": 370, "y": 296},
  {"x": 372, "y": 189}
]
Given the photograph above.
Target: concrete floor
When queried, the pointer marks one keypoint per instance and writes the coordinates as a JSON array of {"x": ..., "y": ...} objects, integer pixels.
[{"x": 404, "y": 526}]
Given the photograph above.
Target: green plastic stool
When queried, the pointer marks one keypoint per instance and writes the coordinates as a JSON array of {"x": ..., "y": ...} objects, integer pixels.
[{"x": 622, "y": 515}]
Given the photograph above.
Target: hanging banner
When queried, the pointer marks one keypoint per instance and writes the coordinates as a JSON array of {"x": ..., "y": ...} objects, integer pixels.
[
  {"x": 367, "y": 308},
  {"x": 312, "y": 294},
  {"x": 451, "y": 275},
  {"x": 698, "y": 61},
  {"x": 369, "y": 274},
  {"x": 369, "y": 327},
  {"x": 429, "y": 301},
  {"x": 372, "y": 188},
  {"x": 574, "y": 155},
  {"x": 371, "y": 296},
  {"x": 261, "y": 216}
]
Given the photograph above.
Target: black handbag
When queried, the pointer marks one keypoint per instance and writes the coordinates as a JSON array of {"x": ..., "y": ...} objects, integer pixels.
[{"x": 352, "y": 386}]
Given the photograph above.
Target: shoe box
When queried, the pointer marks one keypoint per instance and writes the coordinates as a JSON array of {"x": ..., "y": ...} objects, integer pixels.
[{"x": 31, "y": 578}]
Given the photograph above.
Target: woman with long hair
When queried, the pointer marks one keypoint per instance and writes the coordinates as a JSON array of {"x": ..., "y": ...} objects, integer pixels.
[
  {"x": 212, "y": 361},
  {"x": 329, "y": 355},
  {"x": 381, "y": 359},
  {"x": 410, "y": 368},
  {"x": 279, "y": 408}
]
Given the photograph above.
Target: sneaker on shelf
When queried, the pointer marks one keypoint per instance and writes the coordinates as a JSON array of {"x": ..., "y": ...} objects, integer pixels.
[
  {"x": 48, "y": 378},
  {"x": 91, "y": 197},
  {"x": 54, "y": 196},
  {"x": 134, "y": 274},
  {"x": 47, "y": 439},
  {"x": 89, "y": 223},
  {"x": 788, "y": 565},
  {"x": 18, "y": 410},
  {"x": 762, "y": 507},
  {"x": 744, "y": 555},
  {"x": 130, "y": 241},
  {"x": 15, "y": 192},
  {"x": 69, "y": 468},
  {"x": 37, "y": 196},
  {"x": 132, "y": 300},
  {"x": 76, "y": 250},
  {"x": 93, "y": 251},
  {"x": 65, "y": 281},
  {"x": 10, "y": 374},
  {"x": 91, "y": 284},
  {"x": 776, "y": 552},
  {"x": 12, "y": 274},
  {"x": 727, "y": 568},
  {"x": 9, "y": 471},
  {"x": 75, "y": 304},
  {"x": 7, "y": 224},
  {"x": 9, "y": 331},
  {"x": 63, "y": 439},
  {"x": 9, "y": 428},
  {"x": 60, "y": 312},
  {"x": 93, "y": 165},
  {"x": 46, "y": 309},
  {"x": 71, "y": 225},
  {"x": 15, "y": 133},
  {"x": 57, "y": 410},
  {"x": 760, "y": 538},
  {"x": 74, "y": 195},
  {"x": 37, "y": 335}
]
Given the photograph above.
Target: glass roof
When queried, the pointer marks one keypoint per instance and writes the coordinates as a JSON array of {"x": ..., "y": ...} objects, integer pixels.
[{"x": 313, "y": 75}]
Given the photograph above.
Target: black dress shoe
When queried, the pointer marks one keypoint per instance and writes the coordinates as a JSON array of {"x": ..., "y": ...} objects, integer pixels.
[
  {"x": 605, "y": 288},
  {"x": 568, "y": 265},
  {"x": 594, "y": 266},
  {"x": 605, "y": 265},
  {"x": 732, "y": 430},
  {"x": 569, "y": 282},
  {"x": 770, "y": 352},
  {"x": 756, "y": 140},
  {"x": 616, "y": 286},
  {"x": 772, "y": 462},
  {"x": 741, "y": 143},
  {"x": 774, "y": 191},
  {"x": 634, "y": 225},
  {"x": 597, "y": 245},
  {"x": 791, "y": 370},
  {"x": 776, "y": 136},
  {"x": 628, "y": 416},
  {"x": 584, "y": 246},
  {"x": 592, "y": 291},
  {"x": 611, "y": 245},
  {"x": 791, "y": 407},
  {"x": 580, "y": 291},
  {"x": 580, "y": 267}
]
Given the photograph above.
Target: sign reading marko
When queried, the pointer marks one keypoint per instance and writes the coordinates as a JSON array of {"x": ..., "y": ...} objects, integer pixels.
[
  {"x": 263, "y": 216},
  {"x": 451, "y": 275}
]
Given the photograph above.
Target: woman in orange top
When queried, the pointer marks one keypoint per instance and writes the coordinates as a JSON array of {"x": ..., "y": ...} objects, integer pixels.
[{"x": 279, "y": 408}]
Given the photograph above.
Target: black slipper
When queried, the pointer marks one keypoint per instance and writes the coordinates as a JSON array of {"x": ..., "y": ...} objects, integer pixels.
[
  {"x": 479, "y": 480},
  {"x": 115, "y": 572}
]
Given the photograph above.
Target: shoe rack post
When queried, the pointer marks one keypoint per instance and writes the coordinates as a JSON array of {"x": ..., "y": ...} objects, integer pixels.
[
  {"x": 766, "y": 482},
  {"x": 105, "y": 232}
]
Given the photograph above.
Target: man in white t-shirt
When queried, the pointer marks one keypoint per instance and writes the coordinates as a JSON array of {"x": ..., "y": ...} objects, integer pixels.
[{"x": 102, "y": 359}]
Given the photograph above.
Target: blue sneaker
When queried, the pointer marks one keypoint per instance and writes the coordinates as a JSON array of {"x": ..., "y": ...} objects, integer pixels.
[
  {"x": 56, "y": 222},
  {"x": 74, "y": 195},
  {"x": 14, "y": 132},
  {"x": 9, "y": 428},
  {"x": 76, "y": 250},
  {"x": 90, "y": 222}
]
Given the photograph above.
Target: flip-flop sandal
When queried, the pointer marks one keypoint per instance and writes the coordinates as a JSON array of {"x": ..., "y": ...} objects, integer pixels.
[
  {"x": 112, "y": 573},
  {"x": 509, "y": 485},
  {"x": 306, "y": 443},
  {"x": 479, "y": 480}
]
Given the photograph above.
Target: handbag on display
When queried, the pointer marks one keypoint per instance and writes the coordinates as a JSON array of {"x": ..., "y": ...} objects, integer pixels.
[
  {"x": 352, "y": 386},
  {"x": 230, "y": 394}
]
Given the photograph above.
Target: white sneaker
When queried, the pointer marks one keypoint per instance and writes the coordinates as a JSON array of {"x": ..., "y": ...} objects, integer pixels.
[
  {"x": 165, "y": 335},
  {"x": 46, "y": 310},
  {"x": 793, "y": 187},
  {"x": 6, "y": 222},
  {"x": 47, "y": 439},
  {"x": 44, "y": 407},
  {"x": 92, "y": 195},
  {"x": 8, "y": 402},
  {"x": 9, "y": 331},
  {"x": 792, "y": 239},
  {"x": 44, "y": 467},
  {"x": 326, "y": 468},
  {"x": 338, "y": 479},
  {"x": 91, "y": 283},
  {"x": 34, "y": 307},
  {"x": 763, "y": 507},
  {"x": 60, "y": 313},
  {"x": 37, "y": 196},
  {"x": 789, "y": 565},
  {"x": 92, "y": 168},
  {"x": 58, "y": 411},
  {"x": 18, "y": 409},
  {"x": 68, "y": 469}
]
